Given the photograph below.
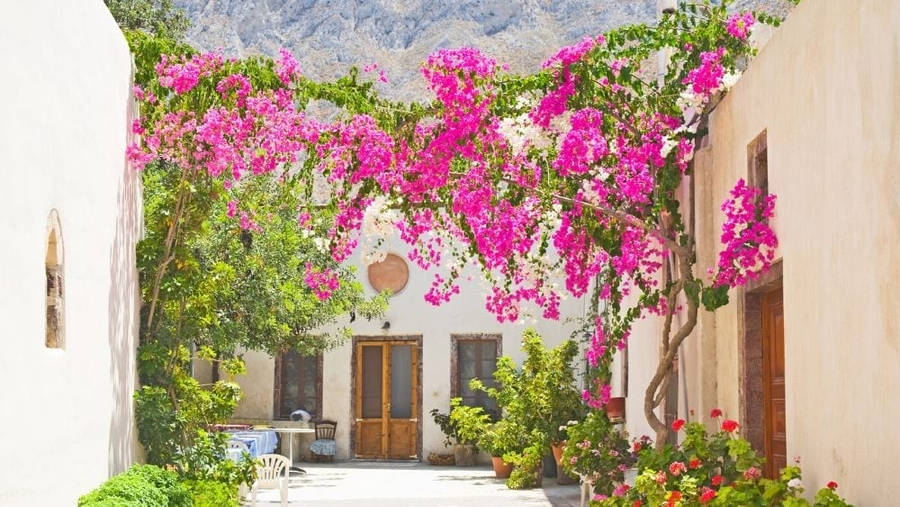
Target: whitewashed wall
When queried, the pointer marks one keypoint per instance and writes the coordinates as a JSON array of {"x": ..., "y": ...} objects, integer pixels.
[{"x": 65, "y": 111}]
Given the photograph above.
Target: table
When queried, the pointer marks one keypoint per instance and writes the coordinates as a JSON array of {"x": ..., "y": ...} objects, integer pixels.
[
  {"x": 258, "y": 441},
  {"x": 291, "y": 432}
]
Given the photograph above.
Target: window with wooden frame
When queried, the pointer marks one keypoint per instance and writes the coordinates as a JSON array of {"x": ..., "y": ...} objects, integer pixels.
[
  {"x": 758, "y": 163},
  {"x": 474, "y": 356},
  {"x": 298, "y": 384}
]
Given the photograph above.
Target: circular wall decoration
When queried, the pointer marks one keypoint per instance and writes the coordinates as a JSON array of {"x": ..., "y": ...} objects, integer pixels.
[{"x": 390, "y": 274}]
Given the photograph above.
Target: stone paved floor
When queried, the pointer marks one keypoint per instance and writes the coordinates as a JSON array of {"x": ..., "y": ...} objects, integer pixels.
[{"x": 402, "y": 484}]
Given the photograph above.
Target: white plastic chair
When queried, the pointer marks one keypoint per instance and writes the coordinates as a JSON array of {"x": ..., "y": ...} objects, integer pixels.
[
  {"x": 272, "y": 472},
  {"x": 242, "y": 448}
]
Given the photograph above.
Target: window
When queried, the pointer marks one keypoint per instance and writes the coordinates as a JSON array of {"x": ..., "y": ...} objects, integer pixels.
[
  {"x": 298, "y": 384},
  {"x": 55, "y": 288},
  {"x": 474, "y": 356},
  {"x": 758, "y": 163}
]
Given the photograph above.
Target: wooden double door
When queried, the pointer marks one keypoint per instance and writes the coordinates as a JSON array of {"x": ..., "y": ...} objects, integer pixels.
[{"x": 386, "y": 399}]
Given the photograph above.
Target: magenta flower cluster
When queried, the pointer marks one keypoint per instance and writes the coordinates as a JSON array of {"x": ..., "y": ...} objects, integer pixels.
[
  {"x": 748, "y": 238},
  {"x": 707, "y": 78},
  {"x": 739, "y": 25}
]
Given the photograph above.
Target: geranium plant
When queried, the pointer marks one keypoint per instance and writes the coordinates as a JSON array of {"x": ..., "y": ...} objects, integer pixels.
[
  {"x": 598, "y": 452},
  {"x": 711, "y": 469}
]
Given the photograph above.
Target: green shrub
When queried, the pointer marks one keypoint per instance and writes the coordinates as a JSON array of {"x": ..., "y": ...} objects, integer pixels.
[
  {"x": 166, "y": 481},
  {"x": 212, "y": 494},
  {"x": 140, "y": 485},
  {"x": 125, "y": 490}
]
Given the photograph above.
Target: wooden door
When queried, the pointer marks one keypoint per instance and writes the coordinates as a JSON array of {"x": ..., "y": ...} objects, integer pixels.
[
  {"x": 773, "y": 382},
  {"x": 386, "y": 400}
]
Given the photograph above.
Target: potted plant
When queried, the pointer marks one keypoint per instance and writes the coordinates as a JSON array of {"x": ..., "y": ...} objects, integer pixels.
[
  {"x": 528, "y": 470},
  {"x": 450, "y": 438},
  {"x": 499, "y": 439},
  {"x": 597, "y": 452},
  {"x": 537, "y": 399},
  {"x": 615, "y": 409},
  {"x": 470, "y": 424}
]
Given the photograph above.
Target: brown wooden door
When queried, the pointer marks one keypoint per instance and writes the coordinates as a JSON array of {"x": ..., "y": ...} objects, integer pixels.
[
  {"x": 773, "y": 382},
  {"x": 386, "y": 400}
]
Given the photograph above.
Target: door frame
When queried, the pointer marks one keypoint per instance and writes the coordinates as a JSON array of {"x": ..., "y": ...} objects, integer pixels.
[
  {"x": 751, "y": 363},
  {"x": 412, "y": 340}
]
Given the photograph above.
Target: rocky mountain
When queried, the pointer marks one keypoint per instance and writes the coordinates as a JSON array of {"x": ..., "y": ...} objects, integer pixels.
[{"x": 329, "y": 36}]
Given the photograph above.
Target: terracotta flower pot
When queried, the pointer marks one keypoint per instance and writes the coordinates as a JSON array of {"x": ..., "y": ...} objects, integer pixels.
[
  {"x": 502, "y": 469},
  {"x": 615, "y": 409},
  {"x": 557, "y": 449}
]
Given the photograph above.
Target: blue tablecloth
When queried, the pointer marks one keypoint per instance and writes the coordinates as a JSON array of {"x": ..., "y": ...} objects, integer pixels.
[{"x": 258, "y": 441}]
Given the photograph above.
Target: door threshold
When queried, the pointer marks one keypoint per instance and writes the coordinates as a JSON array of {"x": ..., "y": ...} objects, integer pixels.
[{"x": 412, "y": 461}]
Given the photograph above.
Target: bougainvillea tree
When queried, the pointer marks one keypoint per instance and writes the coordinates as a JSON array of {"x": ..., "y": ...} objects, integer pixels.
[
  {"x": 564, "y": 181},
  {"x": 215, "y": 279}
]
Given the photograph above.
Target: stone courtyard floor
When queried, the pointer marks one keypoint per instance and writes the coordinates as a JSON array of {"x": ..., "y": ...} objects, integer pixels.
[{"x": 403, "y": 484}]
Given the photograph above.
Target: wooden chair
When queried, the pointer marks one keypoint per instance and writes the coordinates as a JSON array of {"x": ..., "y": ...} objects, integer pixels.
[
  {"x": 271, "y": 473},
  {"x": 324, "y": 445}
]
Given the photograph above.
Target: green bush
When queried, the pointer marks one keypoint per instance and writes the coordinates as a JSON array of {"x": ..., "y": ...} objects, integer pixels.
[
  {"x": 140, "y": 485},
  {"x": 132, "y": 488},
  {"x": 212, "y": 494}
]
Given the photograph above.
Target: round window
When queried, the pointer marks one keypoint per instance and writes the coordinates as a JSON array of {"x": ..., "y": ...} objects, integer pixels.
[{"x": 390, "y": 274}]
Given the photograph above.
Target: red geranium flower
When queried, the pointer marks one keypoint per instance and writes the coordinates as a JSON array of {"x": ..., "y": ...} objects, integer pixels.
[
  {"x": 707, "y": 495},
  {"x": 832, "y": 485},
  {"x": 694, "y": 463},
  {"x": 637, "y": 446},
  {"x": 677, "y": 424},
  {"x": 638, "y": 503},
  {"x": 717, "y": 480},
  {"x": 729, "y": 425},
  {"x": 677, "y": 468},
  {"x": 716, "y": 413},
  {"x": 674, "y": 497}
]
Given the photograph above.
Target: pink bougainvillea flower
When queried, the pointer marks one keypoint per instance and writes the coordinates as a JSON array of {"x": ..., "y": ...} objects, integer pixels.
[{"x": 739, "y": 25}]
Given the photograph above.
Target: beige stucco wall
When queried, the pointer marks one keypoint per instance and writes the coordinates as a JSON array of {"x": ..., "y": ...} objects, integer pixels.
[
  {"x": 827, "y": 90},
  {"x": 66, "y": 108},
  {"x": 409, "y": 314}
]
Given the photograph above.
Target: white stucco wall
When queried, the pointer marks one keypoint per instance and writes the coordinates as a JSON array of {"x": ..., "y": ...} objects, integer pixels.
[
  {"x": 826, "y": 88},
  {"x": 66, "y": 108},
  {"x": 409, "y": 314}
]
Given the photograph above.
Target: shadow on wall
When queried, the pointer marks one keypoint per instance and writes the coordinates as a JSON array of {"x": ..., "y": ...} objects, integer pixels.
[{"x": 124, "y": 301}]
